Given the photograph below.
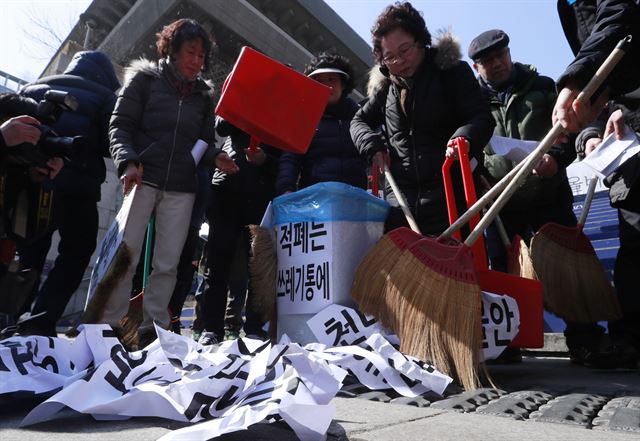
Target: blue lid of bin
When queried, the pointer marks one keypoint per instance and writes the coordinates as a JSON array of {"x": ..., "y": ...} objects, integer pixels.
[{"x": 329, "y": 201}]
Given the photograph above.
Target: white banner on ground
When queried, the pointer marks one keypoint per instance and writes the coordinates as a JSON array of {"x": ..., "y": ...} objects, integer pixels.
[
  {"x": 500, "y": 323},
  {"x": 110, "y": 244},
  {"x": 225, "y": 387}
]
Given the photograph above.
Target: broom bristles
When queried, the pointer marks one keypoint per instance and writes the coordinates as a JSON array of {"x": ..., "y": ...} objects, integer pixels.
[
  {"x": 104, "y": 289},
  {"x": 438, "y": 318},
  {"x": 575, "y": 284},
  {"x": 369, "y": 282},
  {"x": 520, "y": 263},
  {"x": 263, "y": 272}
]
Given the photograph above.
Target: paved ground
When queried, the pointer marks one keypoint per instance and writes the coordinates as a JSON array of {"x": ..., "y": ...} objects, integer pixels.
[{"x": 540, "y": 398}]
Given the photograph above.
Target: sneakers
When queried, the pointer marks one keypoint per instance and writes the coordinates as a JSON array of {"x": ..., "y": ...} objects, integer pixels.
[
  {"x": 231, "y": 335},
  {"x": 208, "y": 338}
]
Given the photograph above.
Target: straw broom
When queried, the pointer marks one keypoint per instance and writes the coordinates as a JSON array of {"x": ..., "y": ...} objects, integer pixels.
[
  {"x": 441, "y": 317},
  {"x": 447, "y": 276},
  {"x": 576, "y": 287},
  {"x": 369, "y": 288},
  {"x": 519, "y": 261},
  {"x": 263, "y": 265}
]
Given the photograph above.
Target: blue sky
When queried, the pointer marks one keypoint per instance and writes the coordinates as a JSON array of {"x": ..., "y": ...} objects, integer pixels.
[{"x": 533, "y": 26}]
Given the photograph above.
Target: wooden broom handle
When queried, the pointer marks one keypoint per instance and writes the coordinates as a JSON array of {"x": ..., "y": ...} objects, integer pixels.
[
  {"x": 534, "y": 157},
  {"x": 401, "y": 200},
  {"x": 587, "y": 200}
]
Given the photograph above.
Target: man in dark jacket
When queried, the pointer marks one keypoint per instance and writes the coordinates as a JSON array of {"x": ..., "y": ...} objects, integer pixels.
[
  {"x": 521, "y": 103},
  {"x": 429, "y": 98},
  {"x": 91, "y": 79},
  {"x": 610, "y": 21},
  {"x": 236, "y": 201}
]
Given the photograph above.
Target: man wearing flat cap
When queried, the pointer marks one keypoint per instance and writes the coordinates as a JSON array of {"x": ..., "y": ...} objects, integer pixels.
[{"x": 521, "y": 102}]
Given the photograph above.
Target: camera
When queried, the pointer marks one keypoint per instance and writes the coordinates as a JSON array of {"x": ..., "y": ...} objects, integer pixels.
[{"x": 50, "y": 145}]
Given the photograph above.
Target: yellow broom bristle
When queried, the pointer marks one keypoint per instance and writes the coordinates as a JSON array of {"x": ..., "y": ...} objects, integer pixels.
[
  {"x": 104, "y": 289},
  {"x": 439, "y": 318},
  {"x": 369, "y": 282},
  {"x": 576, "y": 287},
  {"x": 521, "y": 265},
  {"x": 263, "y": 265}
]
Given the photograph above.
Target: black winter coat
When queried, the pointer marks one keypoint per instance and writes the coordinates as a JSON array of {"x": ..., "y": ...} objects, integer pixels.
[
  {"x": 332, "y": 156},
  {"x": 91, "y": 79},
  {"x": 444, "y": 102},
  {"x": 251, "y": 179},
  {"x": 153, "y": 126}
]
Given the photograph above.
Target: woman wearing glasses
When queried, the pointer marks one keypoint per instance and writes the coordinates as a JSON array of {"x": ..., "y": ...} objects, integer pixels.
[{"x": 428, "y": 97}]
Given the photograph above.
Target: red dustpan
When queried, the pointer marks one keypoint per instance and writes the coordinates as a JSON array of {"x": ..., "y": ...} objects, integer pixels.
[{"x": 271, "y": 102}]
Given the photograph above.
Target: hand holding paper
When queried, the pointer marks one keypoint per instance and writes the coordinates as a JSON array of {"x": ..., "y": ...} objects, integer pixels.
[{"x": 612, "y": 153}]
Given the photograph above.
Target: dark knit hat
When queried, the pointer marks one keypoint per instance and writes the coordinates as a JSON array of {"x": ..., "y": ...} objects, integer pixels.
[{"x": 487, "y": 41}]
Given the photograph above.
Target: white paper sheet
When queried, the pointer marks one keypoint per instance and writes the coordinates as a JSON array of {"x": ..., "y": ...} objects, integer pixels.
[
  {"x": 612, "y": 153},
  {"x": 220, "y": 388},
  {"x": 198, "y": 150},
  {"x": 512, "y": 149}
]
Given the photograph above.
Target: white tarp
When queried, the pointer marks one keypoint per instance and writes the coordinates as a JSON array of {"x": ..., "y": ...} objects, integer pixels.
[{"x": 225, "y": 387}]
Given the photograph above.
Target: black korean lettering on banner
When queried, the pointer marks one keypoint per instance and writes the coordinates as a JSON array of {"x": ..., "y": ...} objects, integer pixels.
[
  {"x": 285, "y": 238},
  {"x": 263, "y": 396},
  {"x": 125, "y": 364},
  {"x": 317, "y": 231},
  {"x": 298, "y": 271},
  {"x": 363, "y": 319},
  {"x": 484, "y": 321},
  {"x": 499, "y": 313},
  {"x": 281, "y": 284},
  {"x": 48, "y": 361},
  {"x": 200, "y": 404},
  {"x": 244, "y": 350},
  {"x": 332, "y": 325},
  {"x": 3, "y": 366},
  {"x": 227, "y": 399},
  {"x": 20, "y": 359},
  {"x": 301, "y": 236},
  {"x": 159, "y": 380},
  {"x": 322, "y": 279},
  {"x": 234, "y": 366},
  {"x": 309, "y": 281}
]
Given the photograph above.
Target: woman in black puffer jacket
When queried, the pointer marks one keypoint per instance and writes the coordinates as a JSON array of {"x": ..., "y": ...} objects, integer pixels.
[
  {"x": 332, "y": 155},
  {"x": 161, "y": 112}
]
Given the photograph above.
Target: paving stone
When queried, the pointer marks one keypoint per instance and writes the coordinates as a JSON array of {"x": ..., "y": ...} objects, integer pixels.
[
  {"x": 377, "y": 395},
  {"x": 469, "y": 401},
  {"x": 417, "y": 401},
  {"x": 517, "y": 405},
  {"x": 572, "y": 409},
  {"x": 621, "y": 413}
]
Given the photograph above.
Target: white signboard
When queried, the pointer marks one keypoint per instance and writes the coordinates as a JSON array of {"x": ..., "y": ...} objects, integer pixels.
[
  {"x": 612, "y": 153},
  {"x": 580, "y": 175},
  {"x": 110, "y": 244},
  {"x": 500, "y": 323},
  {"x": 304, "y": 278}
]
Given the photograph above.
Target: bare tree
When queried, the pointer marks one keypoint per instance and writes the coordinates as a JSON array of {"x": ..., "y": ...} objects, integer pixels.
[{"x": 45, "y": 32}]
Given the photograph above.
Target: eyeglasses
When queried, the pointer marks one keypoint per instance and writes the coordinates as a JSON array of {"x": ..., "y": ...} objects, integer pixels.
[
  {"x": 403, "y": 52},
  {"x": 493, "y": 56}
]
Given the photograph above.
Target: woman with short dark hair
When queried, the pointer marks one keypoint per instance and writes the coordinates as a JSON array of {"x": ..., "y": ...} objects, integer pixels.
[
  {"x": 427, "y": 98},
  {"x": 162, "y": 110},
  {"x": 331, "y": 155}
]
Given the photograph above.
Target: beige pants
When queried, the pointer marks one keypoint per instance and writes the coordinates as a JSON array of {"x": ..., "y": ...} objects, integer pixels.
[{"x": 173, "y": 213}]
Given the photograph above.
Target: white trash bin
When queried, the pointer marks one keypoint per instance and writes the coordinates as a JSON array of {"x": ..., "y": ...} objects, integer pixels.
[{"x": 322, "y": 234}]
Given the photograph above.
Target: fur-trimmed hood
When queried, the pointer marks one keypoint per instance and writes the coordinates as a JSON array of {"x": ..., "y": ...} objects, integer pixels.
[
  {"x": 447, "y": 50},
  {"x": 152, "y": 68}
]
